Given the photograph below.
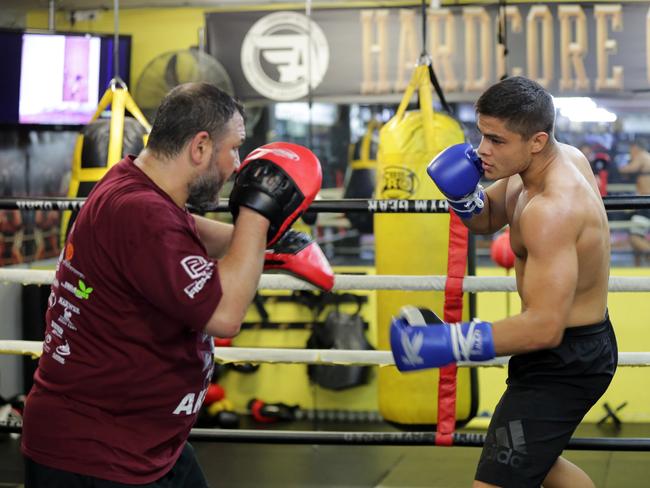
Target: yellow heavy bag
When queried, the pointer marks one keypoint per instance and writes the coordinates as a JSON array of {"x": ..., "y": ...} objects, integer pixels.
[
  {"x": 413, "y": 244},
  {"x": 104, "y": 142}
]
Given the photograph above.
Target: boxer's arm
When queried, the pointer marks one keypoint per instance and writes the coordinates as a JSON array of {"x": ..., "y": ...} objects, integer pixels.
[
  {"x": 216, "y": 236},
  {"x": 493, "y": 217},
  {"x": 549, "y": 230}
]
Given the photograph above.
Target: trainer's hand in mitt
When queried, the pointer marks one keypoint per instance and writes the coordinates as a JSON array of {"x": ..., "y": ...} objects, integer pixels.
[{"x": 278, "y": 180}]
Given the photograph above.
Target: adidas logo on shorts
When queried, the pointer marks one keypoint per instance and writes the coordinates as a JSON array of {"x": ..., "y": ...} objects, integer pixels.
[{"x": 508, "y": 449}]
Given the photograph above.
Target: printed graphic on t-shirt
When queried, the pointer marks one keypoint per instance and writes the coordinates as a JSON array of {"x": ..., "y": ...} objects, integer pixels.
[
  {"x": 69, "y": 307},
  {"x": 46, "y": 343},
  {"x": 66, "y": 319},
  {"x": 205, "y": 350},
  {"x": 61, "y": 351},
  {"x": 68, "y": 265},
  {"x": 200, "y": 270},
  {"x": 57, "y": 330},
  {"x": 191, "y": 402},
  {"x": 60, "y": 318},
  {"x": 69, "y": 251},
  {"x": 51, "y": 300},
  {"x": 82, "y": 290}
]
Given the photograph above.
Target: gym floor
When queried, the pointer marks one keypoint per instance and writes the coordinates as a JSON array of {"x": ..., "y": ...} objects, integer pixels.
[{"x": 303, "y": 466}]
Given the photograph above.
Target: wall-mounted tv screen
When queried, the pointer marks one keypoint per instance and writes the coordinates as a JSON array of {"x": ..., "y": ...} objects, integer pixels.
[{"x": 57, "y": 78}]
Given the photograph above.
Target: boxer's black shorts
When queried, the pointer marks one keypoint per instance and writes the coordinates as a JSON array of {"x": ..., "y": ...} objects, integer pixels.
[{"x": 548, "y": 394}]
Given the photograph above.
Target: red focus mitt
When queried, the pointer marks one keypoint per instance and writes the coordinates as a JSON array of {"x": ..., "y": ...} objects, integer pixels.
[
  {"x": 297, "y": 254},
  {"x": 278, "y": 180}
]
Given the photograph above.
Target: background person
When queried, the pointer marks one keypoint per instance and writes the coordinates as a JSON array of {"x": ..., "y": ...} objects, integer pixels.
[{"x": 639, "y": 165}]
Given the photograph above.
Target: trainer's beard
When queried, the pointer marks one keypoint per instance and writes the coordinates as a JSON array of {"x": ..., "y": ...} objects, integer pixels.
[{"x": 204, "y": 190}]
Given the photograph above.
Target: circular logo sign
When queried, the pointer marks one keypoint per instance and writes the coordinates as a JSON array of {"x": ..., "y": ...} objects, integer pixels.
[
  {"x": 398, "y": 182},
  {"x": 283, "y": 52}
]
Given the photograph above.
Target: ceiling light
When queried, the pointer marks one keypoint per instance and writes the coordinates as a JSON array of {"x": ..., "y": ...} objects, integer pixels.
[{"x": 582, "y": 109}]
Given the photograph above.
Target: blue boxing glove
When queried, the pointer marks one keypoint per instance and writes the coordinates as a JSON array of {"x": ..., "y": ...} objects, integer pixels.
[
  {"x": 420, "y": 340},
  {"x": 457, "y": 171}
]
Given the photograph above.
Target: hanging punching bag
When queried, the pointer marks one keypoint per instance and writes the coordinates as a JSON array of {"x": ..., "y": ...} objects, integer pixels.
[
  {"x": 413, "y": 244},
  {"x": 361, "y": 177}
]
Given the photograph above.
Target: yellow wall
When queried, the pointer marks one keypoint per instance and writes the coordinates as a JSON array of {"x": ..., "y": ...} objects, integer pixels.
[{"x": 153, "y": 31}]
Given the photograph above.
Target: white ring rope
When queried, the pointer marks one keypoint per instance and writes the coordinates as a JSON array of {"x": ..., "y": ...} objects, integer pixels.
[
  {"x": 343, "y": 282},
  {"x": 363, "y": 282},
  {"x": 26, "y": 276},
  {"x": 361, "y": 358},
  {"x": 310, "y": 356},
  {"x": 623, "y": 224}
]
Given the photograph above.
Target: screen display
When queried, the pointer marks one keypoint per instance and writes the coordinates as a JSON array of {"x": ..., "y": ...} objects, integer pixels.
[{"x": 59, "y": 77}]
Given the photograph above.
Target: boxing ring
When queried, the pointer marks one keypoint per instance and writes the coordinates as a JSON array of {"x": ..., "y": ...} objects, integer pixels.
[{"x": 471, "y": 284}]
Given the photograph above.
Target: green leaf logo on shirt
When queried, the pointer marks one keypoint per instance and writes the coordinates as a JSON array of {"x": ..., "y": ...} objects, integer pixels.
[{"x": 82, "y": 291}]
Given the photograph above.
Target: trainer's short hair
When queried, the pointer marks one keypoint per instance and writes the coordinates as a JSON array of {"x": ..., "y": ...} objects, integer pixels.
[
  {"x": 524, "y": 105},
  {"x": 187, "y": 110}
]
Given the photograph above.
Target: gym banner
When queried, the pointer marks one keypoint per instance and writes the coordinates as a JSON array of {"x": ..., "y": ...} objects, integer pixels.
[{"x": 349, "y": 53}]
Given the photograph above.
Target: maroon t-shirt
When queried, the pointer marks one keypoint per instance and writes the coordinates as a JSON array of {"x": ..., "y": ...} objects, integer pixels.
[{"x": 125, "y": 362}]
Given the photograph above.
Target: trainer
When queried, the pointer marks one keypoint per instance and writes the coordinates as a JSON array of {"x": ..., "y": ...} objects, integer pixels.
[{"x": 137, "y": 295}]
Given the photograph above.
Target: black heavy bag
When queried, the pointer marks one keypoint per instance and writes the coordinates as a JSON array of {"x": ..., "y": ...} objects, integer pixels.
[
  {"x": 360, "y": 178},
  {"x": 339, "y": 331}
]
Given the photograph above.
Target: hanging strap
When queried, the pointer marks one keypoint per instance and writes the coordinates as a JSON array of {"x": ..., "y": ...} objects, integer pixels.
[
  {"x": 438, "y": 88},
  {"x": 453, "y": 312},
  {"x": 425, "y": 59},
  {"x": 420, "y": 82}
]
